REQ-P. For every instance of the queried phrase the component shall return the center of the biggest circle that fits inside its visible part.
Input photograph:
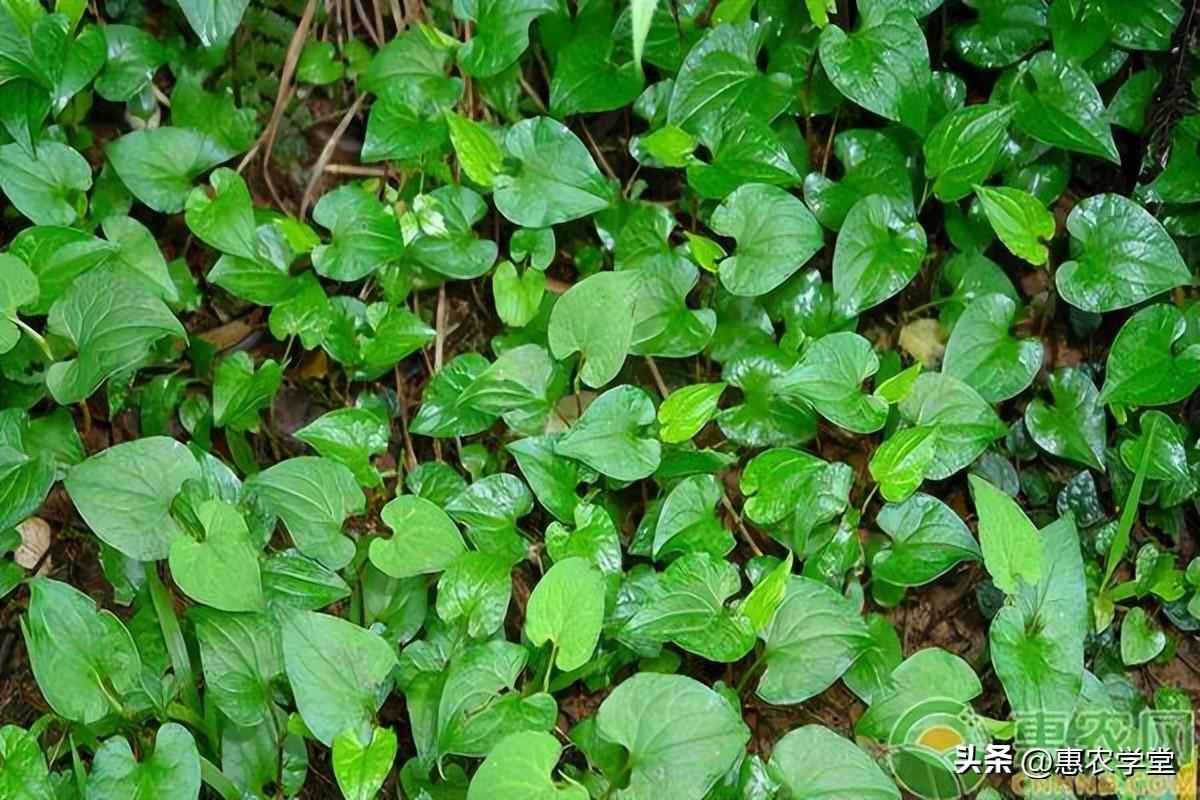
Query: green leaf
(872, 163)
(686, 522)
(523, 384)
(159, 165)
(1011, 548)
(1072, 426)
(424, 539)
(240, 391)
(242, 657)
(679, 761)
(985, 356)
(868, 677)
(475, 149)
(927, 541)
(501, 33)
(1120, 256)
(214, 21)
(610, 438)
(595, 319)
(48, 188)
(1004, 32)
(767, 595)
(113, 324)
(783, 484)
(641, 14)
(225, 218)
(1019, 219)
(963, 422)
(775, 233)
(1148, 364)
(84, 660)
(336, 670)
(555, 179)
(687, 410)
(474, 593)
(1141, 639)
(813, 638)
(349, 436)
(882, 66)
(313, 496)
(567, 608)
(124, 494)
(1058, 104)
(1143, 24)
(962, 149)
(171, 770)
(361, 769)
(399, 130)
(520, 767)
(1161, 445)
(720, 76)
(138, 256)
(489, 509)
(473, 714)
(847, 773)
(552, 477)
(23, 773)
(743, 150)
(1037, 637)
(587, 78)
(447, 244)
(365, 234)
(830, 376)
(901, 463)
(222, 570)
(880, 248)
(688, 607)
(446, 409)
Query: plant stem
(173, 637)
(217, 780)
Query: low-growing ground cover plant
(597, 399)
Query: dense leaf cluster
(599, 419)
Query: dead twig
(327, 153)
(295, 47)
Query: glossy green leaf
(610, 437)
(927, 540)
(1120, 256)
(879, 249)
(984, 355)
(882, 66)
(424, 539)
(1011, 548)
(1072, 425)
(555, 179)
(683, 759)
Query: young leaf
(1012, 549)
(1019, 219)
(1073, 426)
(567, 608)
(171, 770)
(686, 411)
(361, 769)
(595, 319)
